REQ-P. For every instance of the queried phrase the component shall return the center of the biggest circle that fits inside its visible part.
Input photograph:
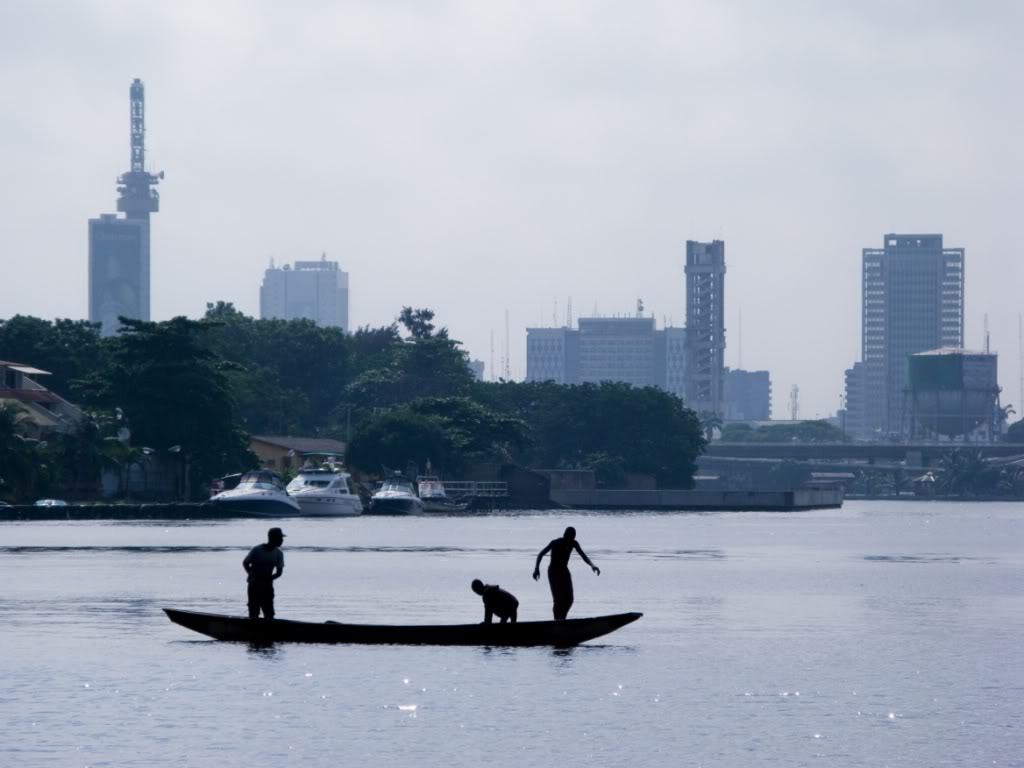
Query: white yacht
(396, 496)
(325, 492)
(259, 492)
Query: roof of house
(28, 369)
(301, 444)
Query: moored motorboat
(432, 493)
(325, 492)
(396, 496)
(259, 492)
(560, 634)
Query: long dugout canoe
(559, 634)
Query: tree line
(401, 393)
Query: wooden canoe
(560, 634)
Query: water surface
(878, 634)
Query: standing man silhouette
(559, 577)
(264, 563)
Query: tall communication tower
(794, 403)
(119, 252)
(138, 198)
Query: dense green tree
(19, 462)
(785, 432)
(427, 364)
(391, 440)
(1015, 434)
(648, 429)
(67, 349)
(287, 375)
(174, 395)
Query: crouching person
(497, 602)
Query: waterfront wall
(796, 499)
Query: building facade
(705, 325)
(747, 395)
(912, 301)
(311, 290)
(118, 271)
(853, 417)
(630, 350)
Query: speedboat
(396, 496)
(432, 494)
(325, 492)
(259, 492)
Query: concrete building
(119, 252)
(552, 354)
(852, 421)
(747, 395)
(311, 290)
(705, 325)
(912, 301)
(622, 349)
(118, 271)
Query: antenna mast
(138, 197)
(508, 368)
(739, 362)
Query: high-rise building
(747, 395)
(119, 248)
(311, 290)
(552, 354)
(913, 301)
(629, 350)
(705, 325)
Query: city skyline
(574, 158)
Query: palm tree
(710, 421)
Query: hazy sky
(478, 157)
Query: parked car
(50, 503)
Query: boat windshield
(260, 481)
(397, 484)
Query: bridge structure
(915, 454)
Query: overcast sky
(478, 157)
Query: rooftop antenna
(492, 355)
(986, 334)
(639, 307)
(739, 361)
(568, 312)
(554, 314)
(794, 403)
(508, 368)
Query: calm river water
(875, 635)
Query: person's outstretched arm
(540, 556)
(586, 559)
